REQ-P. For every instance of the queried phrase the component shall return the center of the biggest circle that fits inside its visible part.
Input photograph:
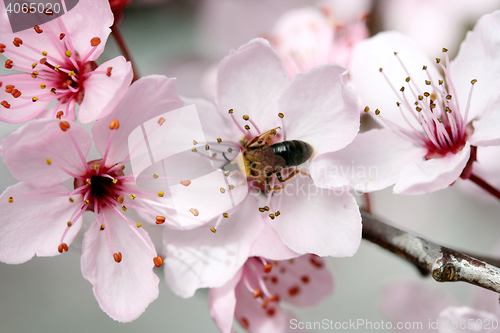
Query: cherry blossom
(41, 216)
(253, 296)
(255, 96)
(58, 64)
(308, 37)
(429, 122)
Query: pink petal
(21, 108)
(270, 246)
(412, 302)
(486, 131)
(124, 289)
(319, 221)
(34, 225)
(89, 19)
(319, 108)
(250, 80)
(103, 92)
(253, 317)
(303, 281)
(222, 253)
(423, 176)
(373, 89)
(26, 150)
(478, 59)
(222, 302)
(146, 98)
(373, 161)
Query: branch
(444, 264)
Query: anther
(266, 208)
(89, 182)
(271, 312)
(2, 48)
(102, 227)
(8, 64)
(293, 291)
(95, 41)
(139, 224)
(245, 117)
(261, 209)
(438, 60)
(367, 109)
(420, 97)
(108, 71)
(225, 215)
(11, 200)
(231, 187)
(161, 121)
(267, 268)
(426, 94)
(222, 190)
(305, 279)
(424, 68)
(17, 42)
(219, 140)
(120, 199)
(473, 81)
(155, 175)
(278, 213)
(380, 69)
(59, 114)
(247, 127)
(34, 99)
(124, 208)
(395, 53)
(377, 112)
(64, 125)
(427, 82)
(212, 229)
(53, 91)
(68, 54)
(160, 219)
(207, 147)
(230, 111)
(186, 182)
(114, 125)
(445, 49)
(398, 104)
(62, 247)
(5, 104)
(34, 74)
(71, 200)
(133, 196)
(257, 293)
(195, 142)
(281, 115)
(61, 36)
(272, 216)
(194, 150)
(229, 150)
(161, 194)
(440, 82)
(117, 256)
(418, 108)
(38, 29)
(194, 211)
(44, 53)
(48, 161)
(402, 89)
(407, 79)
(43, 85)
(158, 261)
(87, 201)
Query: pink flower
(307, 37)
(254, 294)
(429, 122)
(317, 108)
(40, 216)
(58, 61)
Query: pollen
(160, 219)
(158, 261)
(133, 196)
(186, 182)
(117, 256)
(11, 200)
(161, 121)
(95, 41)
(64, 125)
(114, 125)
(194, 211)
(34, 74)
(48, 161)
(212, 229)
(161, 194)
(139, 225)
(68, 54)
(155, 176)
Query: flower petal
(33, 152)
(486, 131)
(146, 98)
(123, 289)
(222, 302)
(250, 80)
(423, 176)
(223, 252)
(303, 281)
(319, 107)
(373, 161)
(478, 59)
(319, 221)
(103, 92)
(270, 246)
(373, 89)
(33, 225)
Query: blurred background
(186, 39)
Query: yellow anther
(407, 79)
(445, 49)
(161, 194)
(195, 142)
(68, 53)
(266, 208)
(231, 187)
(227, 173)
(102, 226)
(34, 99)
(114, 181)
(96, 167)
(86, 201)
(213, 230)
(420, 97)
(424, 68)
(281, 115)
(271, 216)
(222, 190)
(70, 224)
(247, 127)
(226, 215)
(161, 121)
(473, 81)
(33, 65)
(133, 196)
(219, 140)
(11, 200)
(395, 53)
(194, 150)
(440, 82)
(278, 213)
(124, 208)
(402, 89)
(48, 161)
(207, 147)
(89, 182)
(246, 117)
(229, 150)
(71, 73)
(139, 225)
(53, 90)
(230, 111)
(155, 175)
(367, 109)
(380, 69)
(56, 67)
(438, 60)
(43, 85)
(261, 209)
(71, 200)
(427, 82)
(377, 112)
(44, 53)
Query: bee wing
(266, 137)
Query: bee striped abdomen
(294, 152)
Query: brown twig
(444, 264)
(484, 185)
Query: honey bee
(263, 159)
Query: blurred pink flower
(254, 84)
(40, 216)
(429, 123)
(58, 61)
(254, 294)
(307, 37)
